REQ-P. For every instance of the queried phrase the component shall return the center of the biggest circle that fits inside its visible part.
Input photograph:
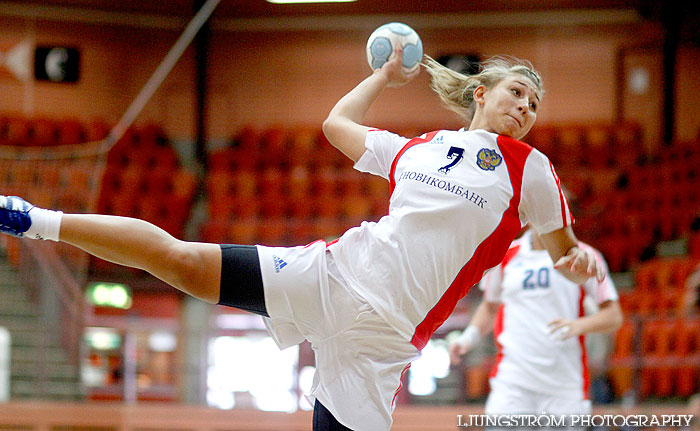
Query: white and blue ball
(380, 46)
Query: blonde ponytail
(456, 90)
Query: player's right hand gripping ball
(380, 46)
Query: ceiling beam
(553, 18)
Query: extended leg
(194, 268)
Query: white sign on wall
(4, 364)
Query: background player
(538, 319)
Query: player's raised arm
(343, 127)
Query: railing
(58, 296)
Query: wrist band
(470, 337)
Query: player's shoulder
(521, 145)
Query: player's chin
(510, 132)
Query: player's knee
(187, 271)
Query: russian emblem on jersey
(488, 159)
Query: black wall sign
(56, 64)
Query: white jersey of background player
(539, 323)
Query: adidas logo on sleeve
(279, 263)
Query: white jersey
(532, 294)
(458, 199)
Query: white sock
(46, 224)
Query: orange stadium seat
(273, 231)
(220, 159)
(687, 355)
(327, 228)
(301, 231)
(571, 139)
(325, 183)
(148, 135)
(158, 182)
(656, 346)
(298, 182)
(622, 359)
(43, 133)
(328, 206)
(216, 231)
(71, 132)
(273, 147)
(301, 208)
(246, 184)
(694, 245)
(356, 207)
(184, 184)
(303, 146)
(14, 131)
(273, 205)
(545, 139)
(476, 381)
(247, 138)
(245, 208)
(271, 181)
(599, 146)
(246, 159)
(96, 130)
(244, 231)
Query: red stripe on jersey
(510, 254)
(396, 394)
(584, 354)
(312, 243)
(489, 253)
(562, 198)
(415, 141)
(497, 330)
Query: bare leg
(192, 267)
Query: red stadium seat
(244, 231)
(301, 230)
(476, 382)
(14, 131)
(96, 130)
(303, 146)
(216, 231)
(273, 232)
(622, 359)
(298, 182)
(71, 132)
(43, 133)
(356, 208)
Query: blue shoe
(14, 216)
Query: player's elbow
(332, 129)
(617, 320)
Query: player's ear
(479, 93)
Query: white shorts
(359, 357)
(508, 399)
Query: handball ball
(380, 46)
